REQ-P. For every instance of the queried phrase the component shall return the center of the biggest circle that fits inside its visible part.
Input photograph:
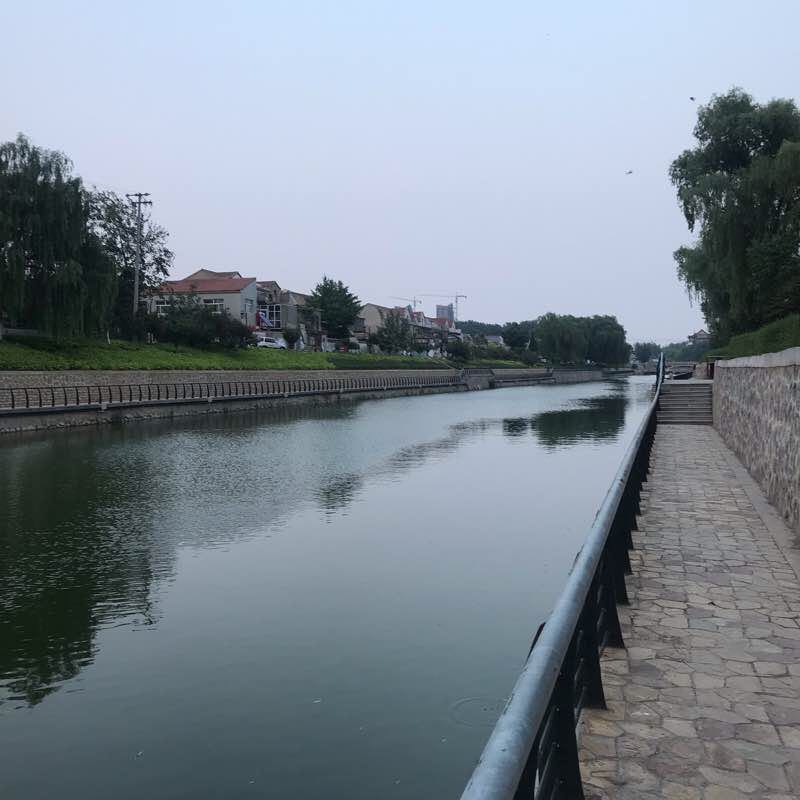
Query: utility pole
(139, 201)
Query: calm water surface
(299, 603)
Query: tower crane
(412, 300)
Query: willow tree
(54, 273)
(740, 187)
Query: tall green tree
(395, 335)
(740, 187)
(113, 221)
(54, 272)
(337, 305)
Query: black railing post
(569, 770)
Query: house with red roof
(223, 292)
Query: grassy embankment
(47, 354)
(772, 338)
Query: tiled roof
(205, 285)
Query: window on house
(162, 305)
(216, 304)
(274, 315)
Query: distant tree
(645, 351)
(741, 186)
(606, 342)
(113, 220)
(458, 350)
(517, 335)
(474, 328)
(337, 305)
(685, 351)
(567, 339)
(291, 336)
(395, 335)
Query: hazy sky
(404, 147)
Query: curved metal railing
(533, 750)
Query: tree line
(559, 338)
(739, 188)
(68, 253)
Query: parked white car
(270, 341)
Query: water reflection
(65, 566)
(327, 576)
(593, 419)
(596, 419)
(91, 519)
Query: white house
(221, 291)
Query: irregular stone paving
(704, 704)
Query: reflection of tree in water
(338, 492)
(597, 418)
(64, 568)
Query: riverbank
(35, 400)
(34, 353)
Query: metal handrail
(533, 750)
(54, 399)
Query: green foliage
(574, 340)
(190, 323)
(459, 351)
(67, 256)
(291, 336)
(337, 305)
(46, 246)
(646, 351)
(772, 338)
(395, 335)
(518, 336)
(473, 328)
(741, 186)
(113, 220)
(49, 354)
(684, 351)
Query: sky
(406, 148)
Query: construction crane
(454, 297)
(412, 300)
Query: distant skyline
(513, 154)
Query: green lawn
(47, 354)
(772, 338)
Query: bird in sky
(692, 99)
(629, 172)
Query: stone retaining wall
(757, 413)
(124, 377)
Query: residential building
(494, 339)
(279, 309)
(701, 337)
(226, 292)
(446, 312)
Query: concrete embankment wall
(72, 419)
(577, 375)
(93, 388)
(132, 377)
(757, 413)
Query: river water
(301, 603)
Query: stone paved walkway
(705, 702)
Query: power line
(139, 202)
